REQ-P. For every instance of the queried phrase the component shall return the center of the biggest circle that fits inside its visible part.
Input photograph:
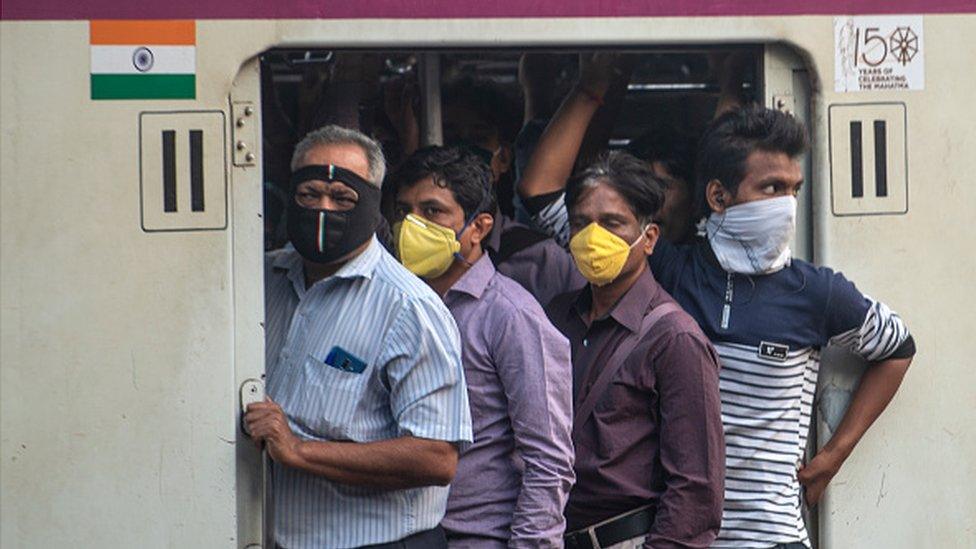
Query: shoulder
(818, 283)
(512, 300)
(395, 284)
(676, 323)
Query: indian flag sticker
(143, 59)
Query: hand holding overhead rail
(554, 157)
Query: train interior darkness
(487, 98)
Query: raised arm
(555, 155)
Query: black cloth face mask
(323, 236)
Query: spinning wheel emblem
(143, 59)
(904, 44)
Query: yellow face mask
(599, 254)
(425, 248)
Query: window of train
(390, 94)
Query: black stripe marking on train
(196, 170)
(857, 168)
(169, 170)
(880, 159)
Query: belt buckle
(595, 541)
(585, 539)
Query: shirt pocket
(328, 400)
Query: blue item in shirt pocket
(342, 359)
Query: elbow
(444, 462)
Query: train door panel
(248, 296)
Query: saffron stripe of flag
(139, 32)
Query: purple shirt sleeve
(692, 445)
(534, 367)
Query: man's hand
(815, 476)
(598, 71)
(267, 424)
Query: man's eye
(769, 189)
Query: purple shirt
(513, 481)
(542, 267)
(655, 436)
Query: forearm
(554, 156)
(878, 385)
(405, 462)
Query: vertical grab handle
(252, 390)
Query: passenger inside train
(607, 235)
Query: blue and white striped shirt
(412, 385)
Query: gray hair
(337, 135)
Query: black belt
(622, 528)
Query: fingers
(267, 428)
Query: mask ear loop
(482, 204)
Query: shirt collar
(476, 279)
(361, 266)
(629, 311)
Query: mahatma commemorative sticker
(878, 53)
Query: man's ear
(480, 227)
(717, 196)
(651, 234)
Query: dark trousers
(433, 539)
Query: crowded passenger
(657, 266)
(767, 313)
(647, 427)
(367, 407)
(513, 481)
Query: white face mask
(753, 238)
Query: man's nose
(326, 202)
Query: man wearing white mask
(768, 315)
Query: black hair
(633, 179)
(673, 149)
(732, 137)
(489, 101)
(455, 168)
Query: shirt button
(586, 342)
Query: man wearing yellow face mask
(513, 482)
(647, 427)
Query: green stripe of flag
(143, 86)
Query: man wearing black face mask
(367, 405)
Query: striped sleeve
(422, 358)
(553, 219)
(865, 326)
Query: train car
(134, 155)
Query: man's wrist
(837, 451)
(297, 457)
(590, 94)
